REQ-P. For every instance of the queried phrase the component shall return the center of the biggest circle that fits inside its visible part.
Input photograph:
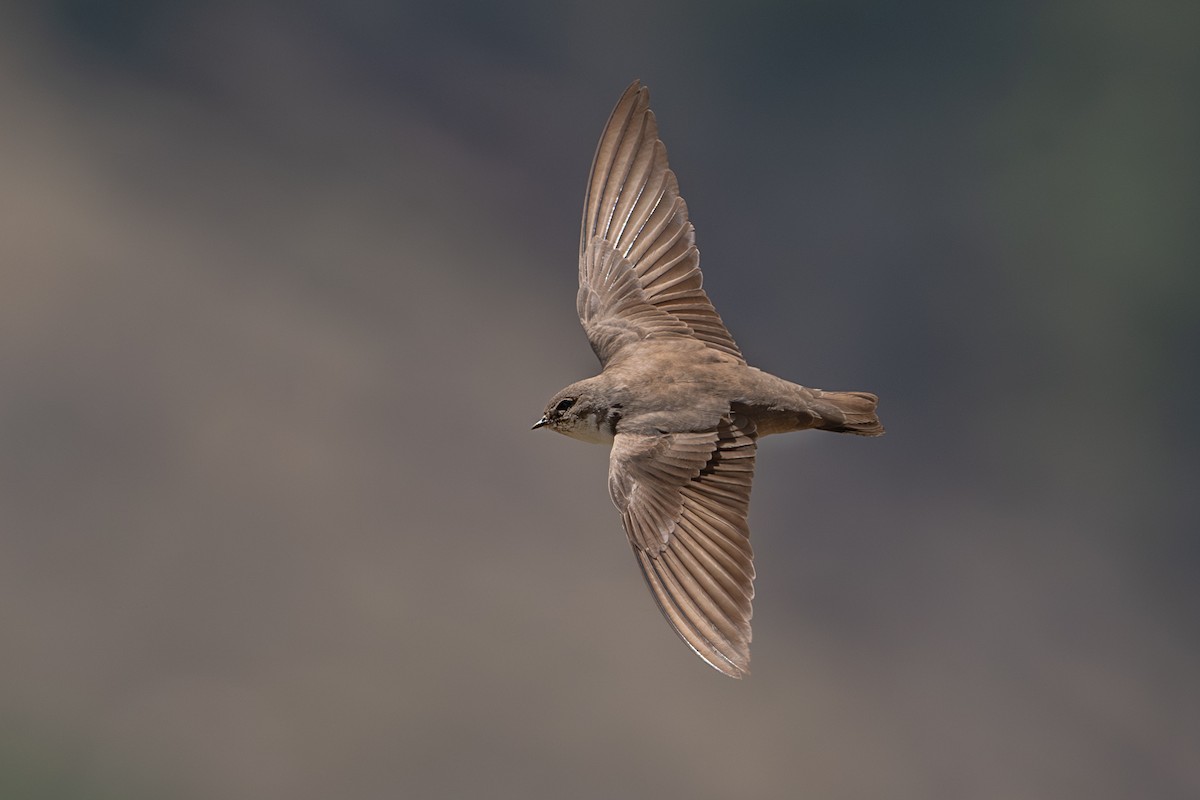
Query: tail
(848, 412)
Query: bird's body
(676, 400)
(694, 386)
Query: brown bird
(675, 398)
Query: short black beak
(540, 423)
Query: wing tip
(730, 658)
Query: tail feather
(848, 412)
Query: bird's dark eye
(564, 404)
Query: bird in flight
(675, 399)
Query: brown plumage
(676, 399)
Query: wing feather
(639, 269)
(684, 498)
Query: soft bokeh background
(283, 286)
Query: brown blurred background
(282, 289)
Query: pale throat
(592, 428)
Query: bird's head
(582, 412)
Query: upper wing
(683, 499)
(639, 269)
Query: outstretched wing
(639, 269)
(683, 499)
